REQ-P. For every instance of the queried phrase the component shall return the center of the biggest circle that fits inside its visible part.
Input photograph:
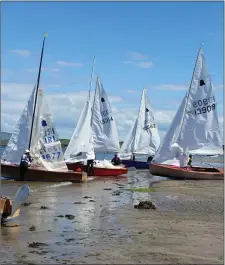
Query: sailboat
(194, 130)
(10, 207)
(95, 132)
(35, 130)
(143, 137)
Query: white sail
(198, 126)
(46, 147)
(166, 153)
(80, 147)
(143, 137)
(20, 137)
(105, 135)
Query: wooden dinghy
(40, 174)
(36, 131)
(176, 172)
(194, 130)
(10, 208)
(137, 164)
(97, 171)
(95, 132)
(143, 137)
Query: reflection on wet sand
(92, 223)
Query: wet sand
(186, 227)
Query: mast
(90, 94)
(97, 81)
(143, 93)
(189, 90)
(91, 77)
(150, 138)
(37, 87)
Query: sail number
(49, 135)
(49, 139)
(106, 120)
(147, 127)
(51, 156)
(49, 131)
(204, 105)
(105, 113)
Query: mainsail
(19, 139)
(195, 127)
(104, 131)
(45, 145)
(35, 130)
(80, 147)
(143, 137)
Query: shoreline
(186, 227)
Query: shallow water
(73, 238)
(91, 218)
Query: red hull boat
(100, 172)
(36, 174)
(197, 173)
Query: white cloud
(145, 64)
(66, 109)
(131, 91)
(24, 53)
(138, 60)
(218, 86)
(181, 87)
(174, 87)
(44, 69)
(69, 64)
(137, 56)
(140, 64)
(126, 62)
(114, 99)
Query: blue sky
(151, 44)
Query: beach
(103, 226)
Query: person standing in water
(90, 166)
(116, 160)
(24, 164)
(150, 158)
(132, 157)
(190, 161)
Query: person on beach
(90, 166)
(149, 159)
(116, 160)
(190, 161)
(24, 164)
(132, 157)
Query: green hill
(6, 136)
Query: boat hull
(36, 174)
(197, 173)
(136, 164)
(98, 172)
(5, 211)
